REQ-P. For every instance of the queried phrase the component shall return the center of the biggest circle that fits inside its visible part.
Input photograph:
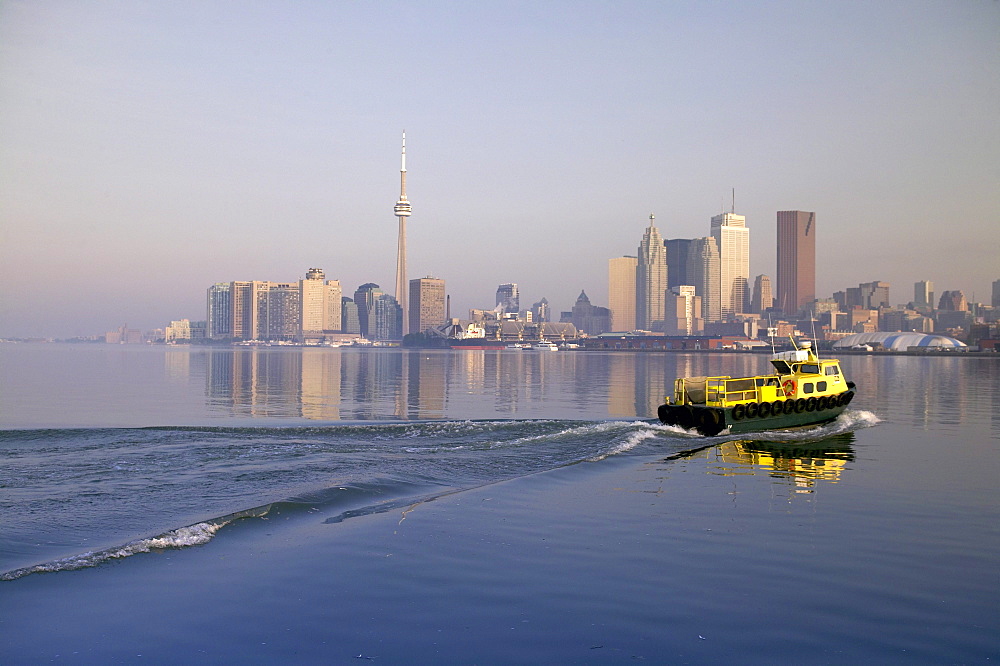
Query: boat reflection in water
(802, 463)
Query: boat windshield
(781, 366)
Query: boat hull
(754, 417)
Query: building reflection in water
(365, 384)
(800, 464)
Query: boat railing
(722, 391)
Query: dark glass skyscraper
(796, 275)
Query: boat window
(781, 367)
(820, 386)
(810, 368)
(832, 370)
(807, 387)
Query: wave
(423, 461)
(184, 537)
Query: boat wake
(344, 471)
(413, 462)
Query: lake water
(342, 505)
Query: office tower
(278, 310)
(319, 303)
(385, 319)
(427, 304)
(219, 314)
(589, 318)
(762, 296)
(650, 280)
(683, 312)
(796, 277)
(541, 312)
(995, 301)
(677, 258)
(621, 292)
(873, 295)
(349, 321)
(733, 239)
(242, 311)
(954, 301)
(508, 298)
(402, 210)
(312, 301)
(365, 297)
(703, 266)
(923, 294)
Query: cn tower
(402, 209)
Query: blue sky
(150, 149)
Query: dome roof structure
(897, 341)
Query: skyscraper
(733, 239)
(621, 292)
(796, 276)
(365, 298)
(995, 300)
(677, 266)
(763, 297)
(650, 280)
(508, 298)
(402, 210)
(219, 314)
(385, 320)
(427, 304)
(703, 268)
(923, 294)
(320, 303)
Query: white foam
(184, 537)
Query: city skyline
(148, 151)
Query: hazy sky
(150, 149)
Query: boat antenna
(770, 332)
(812, 322)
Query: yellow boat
(803, 391)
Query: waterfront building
(703, 265)
(364, 298)
(677, 261)
(242, 310)
(184, 330)
(349, 321)
(733, 239)
(508, 299)
(588, 318)
(683, 312)
(218, 314)
(427, 304)
(923, 294)
(402, 211)
(796, 253)
(385, 320)
(621, 292)
(541, 312)
(762, 299)
(278, 310)
(650, 280)
(320, 303)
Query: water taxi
(803, 391)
